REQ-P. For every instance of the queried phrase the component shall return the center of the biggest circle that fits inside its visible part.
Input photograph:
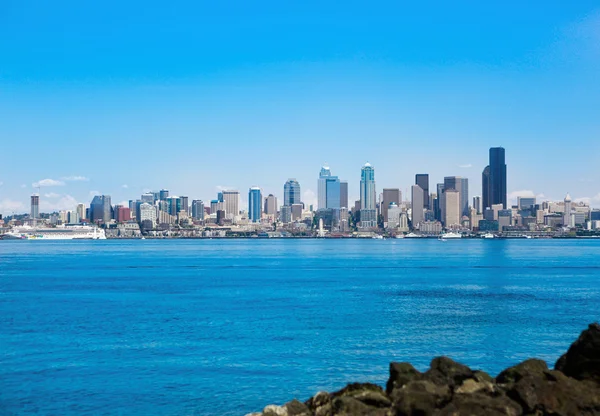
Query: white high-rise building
(393, 214)
(147, 212)
(452, 209)
(231, 204)
(567, 214)
(81, 211)
(271, 205)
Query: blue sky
(120, 98)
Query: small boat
(488, 235)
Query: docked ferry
(77, 232)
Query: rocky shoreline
(449, 388)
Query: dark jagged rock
(553, 393)
(516, 373)
(419, 398)
(582, 360)
(401, 374)
(481, 404)
(320, 404)
(444, 371)
(369, 394)
(449, 388)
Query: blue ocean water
(224, 327)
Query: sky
(120, 98)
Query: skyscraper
(462, 186)
(291, 193)
(477, 204)
(497, 177)
(322, 187)
(198, 209)
(271, 205)
(163, 194)
(231, 203)
(567, 213)
(390, 195)
(254, 204)
(174, 204)
(485, 189)
(185, 205)
(437, 204)
(35, 206)
(148, 197)
(451, 205)
(101, 209)
(422, 179)
(464, 196)
(329, 190)
(368, 208)
(417, 195)
(343, 194)
(81, 211)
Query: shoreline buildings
(426, 213)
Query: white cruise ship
(76, 232)
(450, 235)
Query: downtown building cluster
(427, 211)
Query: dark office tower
(485, 189)
(389, 195)
(497, 176)
(422, 179)
(163, 194)
(343, 194)
(437, 206)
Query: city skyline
(44, 189)
(138, 111)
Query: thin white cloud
(8, 206)
(523, 194)
(310, 198)
(47, 182)
(23, 186)
(51, 195)
(221, 188)
(94, 193)
(588, 199)
(125, 186)
(64, 203)
(75, 179)
(1, 183)
(465, 166)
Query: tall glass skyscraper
(254, 204)
(368, 197)
(494, 179)
(328, 190)
(322, 187)
(498, 176)
(291, 193)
